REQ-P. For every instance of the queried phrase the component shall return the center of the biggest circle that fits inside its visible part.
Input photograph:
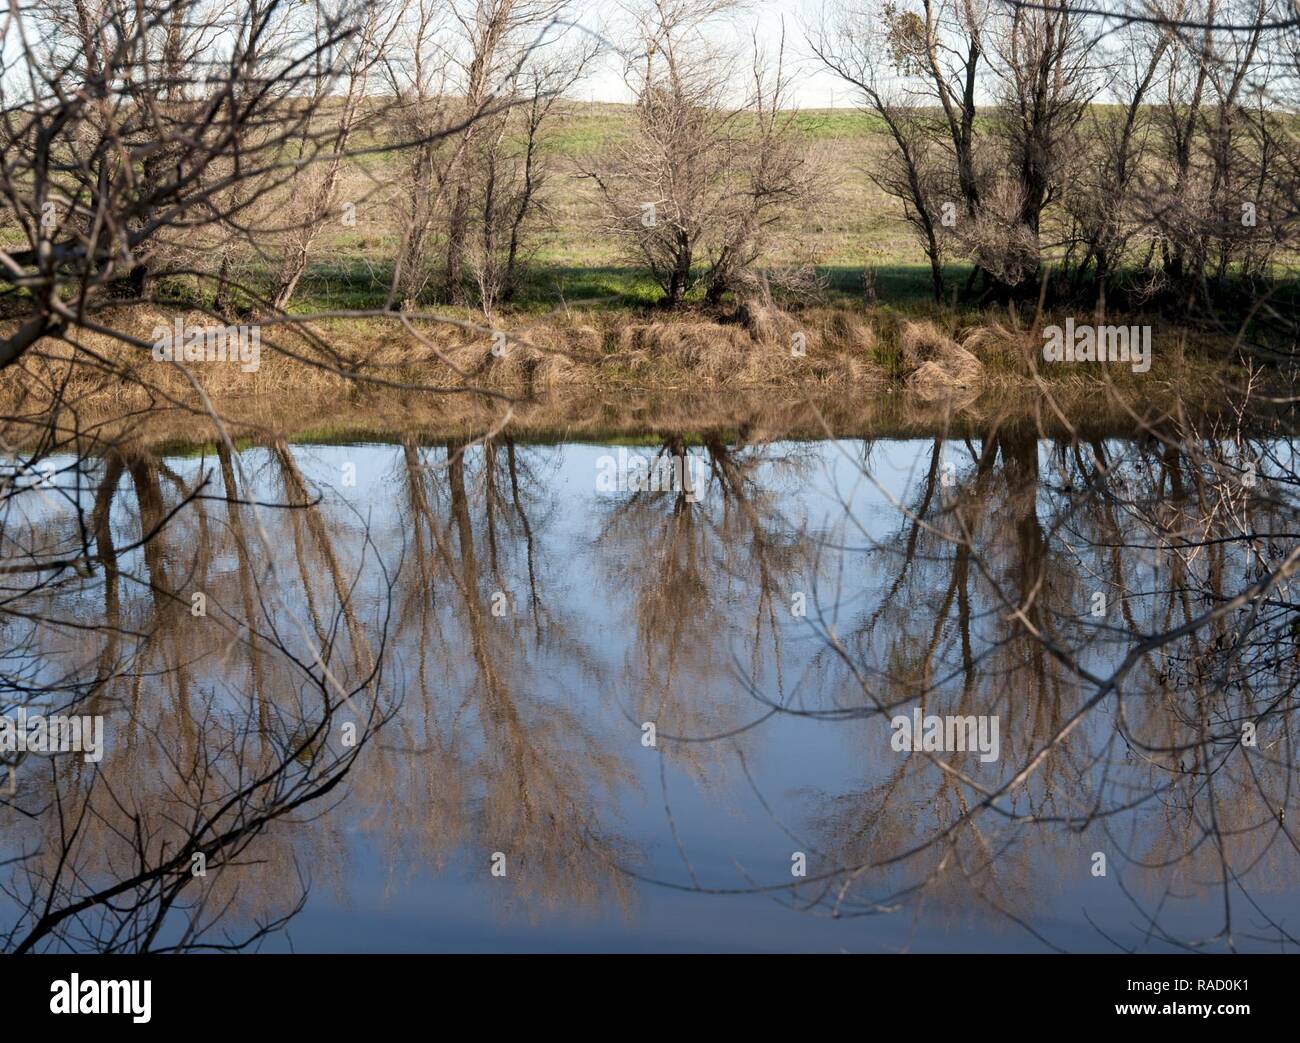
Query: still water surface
(648, 710)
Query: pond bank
(632, 417)
(946, 356)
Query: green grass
(852, 226)
(355, 285)
(833, 124)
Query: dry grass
(937, 364)
(758, 347)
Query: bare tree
(1102, 203)
(665, 190)
(344, 89)
(496, 40)
(774, 178)
(862, 48)
(510, 169)
(704, 176)
(1046, 82)
(421, 113)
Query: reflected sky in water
(530, 626)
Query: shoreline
(647, 417)
(754, 348)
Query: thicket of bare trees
(1167, 188)
(262, 124)
(433, 120)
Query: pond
(995, 691)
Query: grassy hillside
(854, 225)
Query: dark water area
(562, 706)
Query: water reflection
(447, 694)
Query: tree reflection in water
(496, 634)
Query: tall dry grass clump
(937, 363)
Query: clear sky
(814, 88)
